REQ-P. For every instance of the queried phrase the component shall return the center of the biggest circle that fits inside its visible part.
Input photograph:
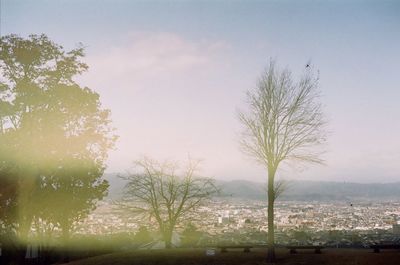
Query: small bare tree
(163, 192)
(284, 123)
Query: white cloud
(146, 55)
(169, 96)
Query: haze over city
(174, 75)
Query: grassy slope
(257, 256)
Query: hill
(297, 190)
(324, 191)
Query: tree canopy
(54, 134)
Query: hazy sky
(173, 74)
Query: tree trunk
(168, 238)
(271, 199)
(21, 251)
(65, 238)
(22, 239)
(11, 250)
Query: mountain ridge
(297, 190)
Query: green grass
(236, 257)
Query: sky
(175, 73)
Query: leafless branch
(165, 192)
(284, 122)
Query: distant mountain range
(302, 190)
(297, 190)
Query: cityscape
(239, 222)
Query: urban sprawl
(336, 224)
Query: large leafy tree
(54, 136)
(284, 123)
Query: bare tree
(284, 123)
(164, 193)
